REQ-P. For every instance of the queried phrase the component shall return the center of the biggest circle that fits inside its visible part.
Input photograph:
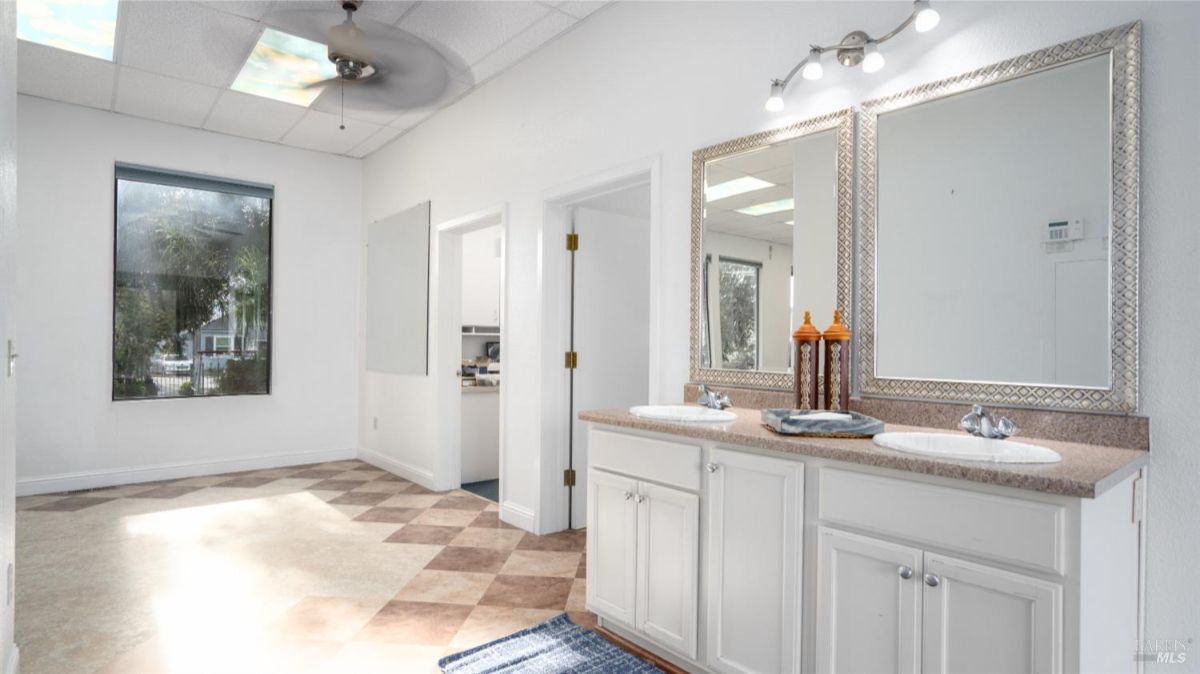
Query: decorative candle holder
(806, 364)
(837, 364)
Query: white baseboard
(409, 472)
(518, 516)
(51, 484)
(14, 661)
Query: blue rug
(557, 646)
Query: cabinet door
(980, 619)
(868, 605)
(754, 542)
(612, 546)
(667, 561)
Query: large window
(191, 286)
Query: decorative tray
(821, 423)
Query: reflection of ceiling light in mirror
(85, 27)
(734, 187)
(768, 207)
(282, 65)
(790, 222)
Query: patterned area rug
(557, 646)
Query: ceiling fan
(379, 68)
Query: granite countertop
(1085, 470)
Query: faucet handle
(1005, 428)
(970, 421)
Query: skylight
(734, 187)
(282, 65)
(769, 207)
(82, 26)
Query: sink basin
(967, 448)
(682, 413)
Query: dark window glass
(192, 286)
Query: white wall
(481, 277)
(8, 211)
(70, 432)
(689, 75)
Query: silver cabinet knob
(905, 572)
(712, 467)
(639, 498)
(932, 580)
(628, 495)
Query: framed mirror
(999, 232)
(772, 232)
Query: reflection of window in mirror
(705, 330)
(739, 300)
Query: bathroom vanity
(728, 548)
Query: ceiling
(174, 61)
(774, 165)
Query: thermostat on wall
(1060, 235)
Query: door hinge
(569, 477)
(572, 242)
(572, 360)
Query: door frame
(447, 344)
(553, 288)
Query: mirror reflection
(993, 224)
(769, 234)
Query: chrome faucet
(714, 399)
(981, 423)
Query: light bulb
(872, 59)
(775, 102)
(813, 70)
(927, 17)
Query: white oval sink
(682, 413)
(966, 448)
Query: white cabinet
(980, 619)
(868, 605)
(754, 543)
(883, 607)
(643, 558)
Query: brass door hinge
(572, 360)
(569, 477)
(572, 242)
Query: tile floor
(330, 568)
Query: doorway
(470, 345)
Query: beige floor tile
(365, 657)
(446, 587)
(488, 623)
(382, 487)
(403, 500)
(335, 619)
(415, 623)
(350, 511)
(358, 475)
(578, 599)
(500, 539)
(202, 481)
(542, 563)
(446, 518)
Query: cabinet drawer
(670, 463)
(1016, 531)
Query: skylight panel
(769, 207)
(282, 65)
(735, 187)
(86, 27)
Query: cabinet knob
(628, 495)
(932, 580)
(712, 467)
(639, 498)
(905, 572)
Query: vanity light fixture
(857, 48)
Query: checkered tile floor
(342, 568)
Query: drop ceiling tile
(319, 131)
(189, 41)
(525, 43)
(64, 76)
(251, 9)
(252, 116)
(379, 139)
(329, 102)
(163, 98)
(472, 29)
(410, 119)
(580, 8)
(383, 11)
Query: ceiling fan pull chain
(342, 125)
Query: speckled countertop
(1085, 470)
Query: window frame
(196, 181)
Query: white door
(612, 546)
(611, 326)
(980, 619)
(755, 539)
(8, 383)
(667, 564)
(868, 605)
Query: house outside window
(191, 285)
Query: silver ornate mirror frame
(1123, 44)
(843, 122)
